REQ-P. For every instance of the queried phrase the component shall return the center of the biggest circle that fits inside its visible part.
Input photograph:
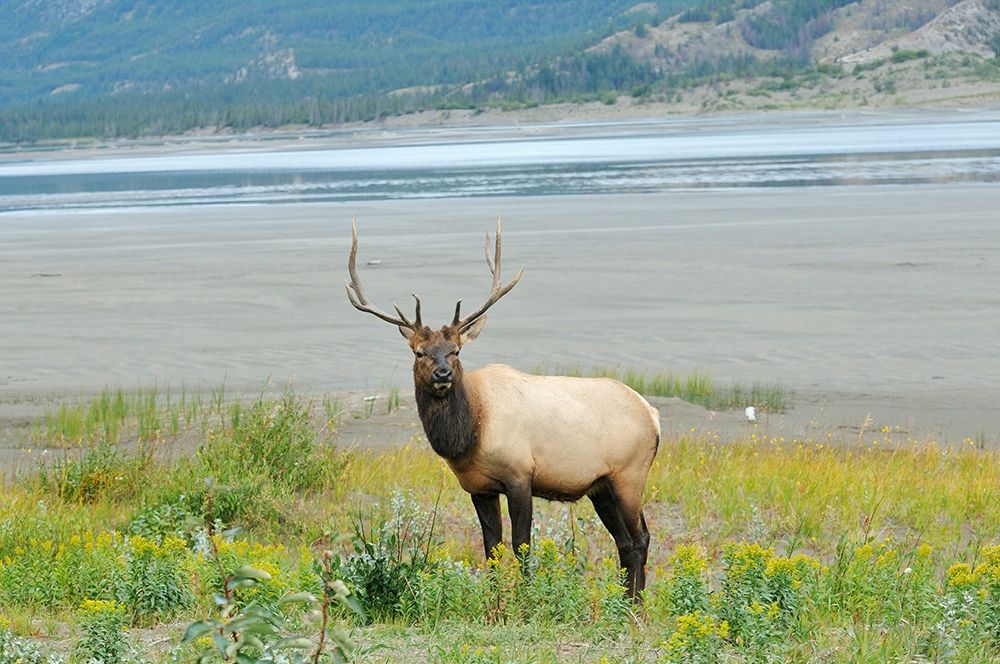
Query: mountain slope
(807, 32)
(114, 68)
(968, 26)
(86, 48)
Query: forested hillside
(113, 68)
(85, 48)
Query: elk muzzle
(442, 376)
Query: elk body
(505, 432)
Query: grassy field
(269, 544)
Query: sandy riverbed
(880, 300)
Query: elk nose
(442, 375)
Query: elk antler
(496, 292)
(357, 296)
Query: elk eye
(418, 354)
(454, 352)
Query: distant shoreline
(551, 119)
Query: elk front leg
(488, 509)
(519, 505)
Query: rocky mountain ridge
(857, 33)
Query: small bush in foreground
(698, 638)
(391, 552)
(104, 637)
(157, 578)
(683, 587)
(259, 633)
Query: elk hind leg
(630, 535)
(630, 505)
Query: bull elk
(505, 432)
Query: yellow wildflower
(961, 577)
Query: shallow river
(567, 159)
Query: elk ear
(406, 332)
(473, 331)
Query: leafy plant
(104, 637)
(62, 574)
(762, 594)
(446, 590)
(170, 518)
(157, 585)
(258, 633)
(683, 589)
(697, 638)
(391, 551)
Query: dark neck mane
(448, 421)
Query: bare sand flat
(880, 300)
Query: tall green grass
(116, 414)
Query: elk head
(436, 367)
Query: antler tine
(496, 292)
(415, 324)
(357, 296)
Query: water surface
(639, 157)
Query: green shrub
(151, 581)
(867, 581)
(229, 556)
(246, 501)
(744, 583)
(549, 586)
(762, 595)
(684, 587)
(904, 55)
(99, 472)
(258, 633)
(697, 638)
(613, 608)
(273, 440)
(444, 591)
(104, 637)
(391, 551)
(504, 587)
(556, 586)
(973, 596)
(989, 570)
(157, 582)
(170, 518)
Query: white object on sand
(751, 414)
